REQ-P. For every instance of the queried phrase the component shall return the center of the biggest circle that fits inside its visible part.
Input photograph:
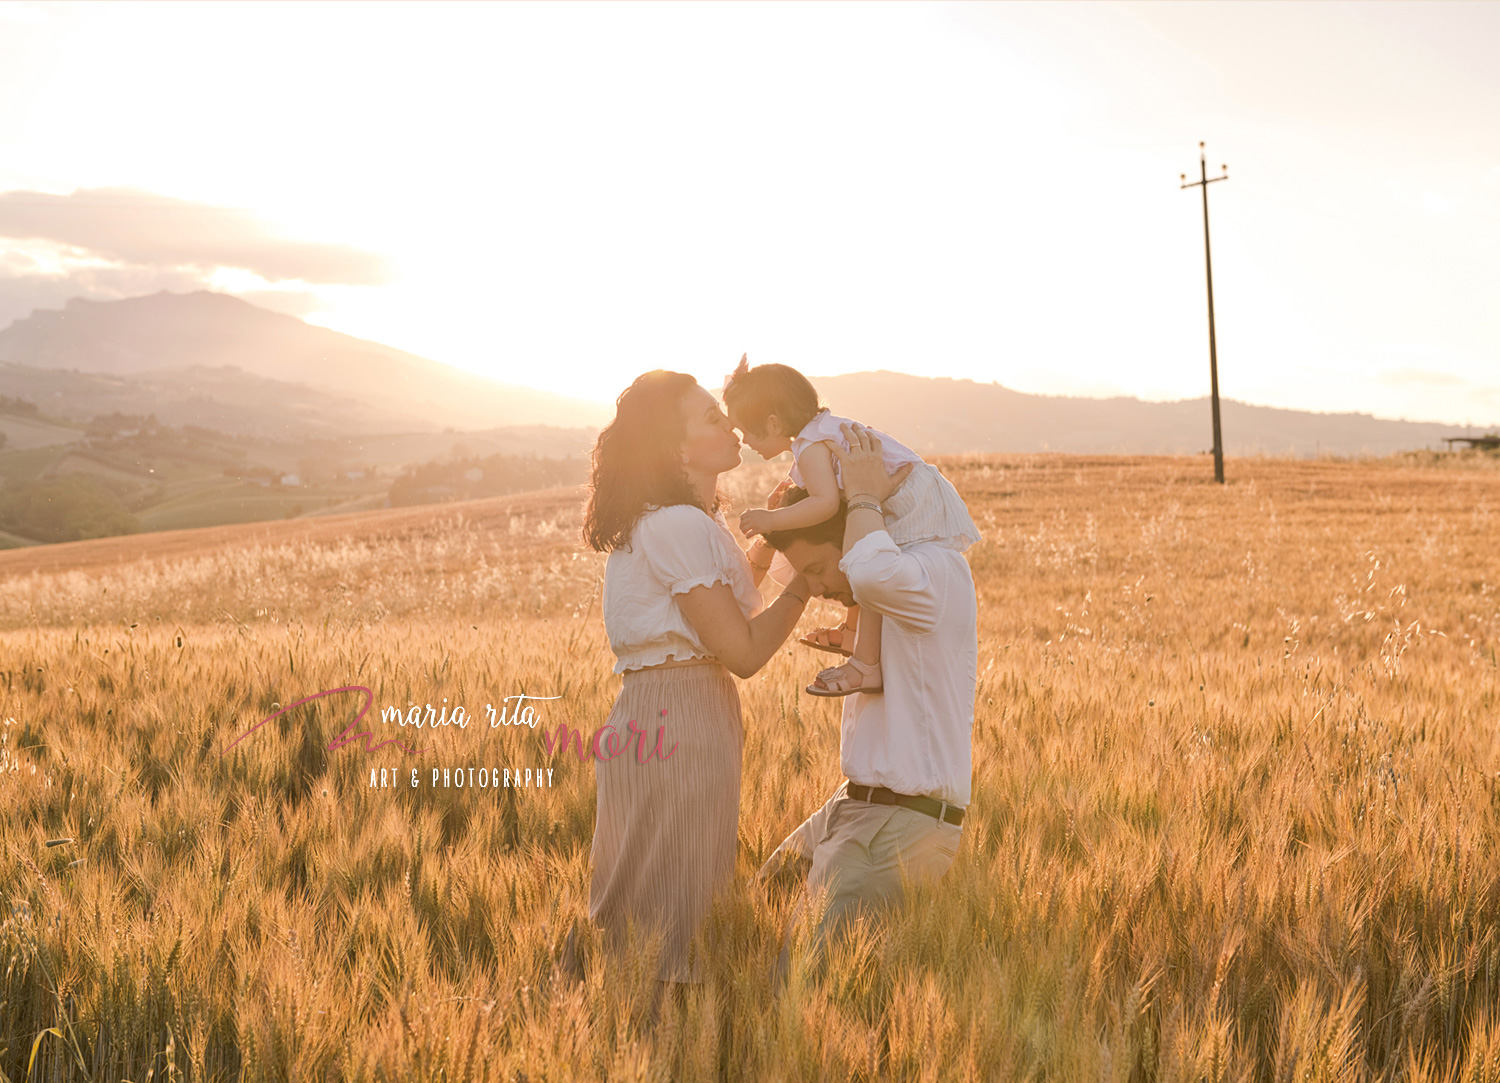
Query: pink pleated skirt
(665, 831)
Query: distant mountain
(229, 400)
(168, 334)
(216, 361)
(936, 415)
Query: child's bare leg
(849, 630)
(867, 639)
(861, 673)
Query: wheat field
(1236, 805)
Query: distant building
(290, 479)
(1488, 442)
(473, 474)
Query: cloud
(299, 303)
(1407, 376)
(15, 11)
(1436, 203)
(143, 228)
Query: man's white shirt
(915, 737)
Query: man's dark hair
(830, 530)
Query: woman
(682, 613)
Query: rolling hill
(221, 363)
(937, 415)
(172, 338)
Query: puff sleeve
(684, 548)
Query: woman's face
(709, 443)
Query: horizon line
(610, 400)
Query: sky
(566, 195)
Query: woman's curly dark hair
(637, 460)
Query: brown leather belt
(879, 795)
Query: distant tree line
(104, 426)
(76, 506)
(20, 407)
(71, 507)
(474, 478)
(144, 440)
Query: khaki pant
(858, 852)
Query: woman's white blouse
(671, 551)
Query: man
(907, 751)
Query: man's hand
(755, 521)
(786, 870)
(862, 468)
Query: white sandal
(868, 675)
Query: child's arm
(822, 501)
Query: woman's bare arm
(760, 556)
(743, 646)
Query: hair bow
(739, 370)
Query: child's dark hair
(758, 393)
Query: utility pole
(1203, 181)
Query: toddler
(777, 410)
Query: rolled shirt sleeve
(891, 582)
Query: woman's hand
(862, 468)
(755, 521)
(800, 587)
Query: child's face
(768, 444)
